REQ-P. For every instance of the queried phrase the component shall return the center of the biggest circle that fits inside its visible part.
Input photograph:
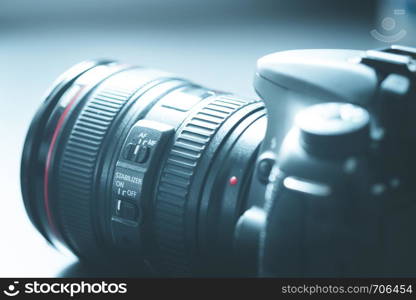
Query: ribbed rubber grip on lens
(76, 177)
(176, 180)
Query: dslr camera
(135, 167)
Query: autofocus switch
(138, 153)
(128, 151)
(141, 153)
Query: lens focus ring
(78, 164)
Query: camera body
(340, 198)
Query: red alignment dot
(233, 180)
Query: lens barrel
(123, 163)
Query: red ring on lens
(58, 128)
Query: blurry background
(215, 43)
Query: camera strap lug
(390, 62)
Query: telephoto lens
(124, 164)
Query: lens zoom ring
(177, 177)
(78, 165)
